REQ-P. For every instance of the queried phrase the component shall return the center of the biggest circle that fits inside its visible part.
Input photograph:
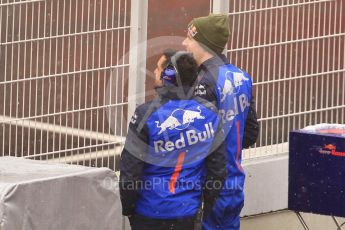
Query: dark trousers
(139, 222)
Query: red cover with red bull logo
(317, 170)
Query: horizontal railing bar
(286, 42)
(11, 120)
(299, 77)
(63, 36)
(63, 74)
(21, 2)
(89, 156)
(278, 7)
(59, 129)
(70, 150)
(301, 113)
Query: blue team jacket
(230, 89)
(169, 144)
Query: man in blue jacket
(230, 89)
(172, 157)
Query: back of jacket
(233, 94)
(230, 89)
(181, 134)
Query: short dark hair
(185, 65)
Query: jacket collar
(214, 61)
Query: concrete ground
(287, 220)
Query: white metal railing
(294, 51)
(63, 79)
(280, 5)
(68, 80)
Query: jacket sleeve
(251, 128)
(132, 164)
(216, 172)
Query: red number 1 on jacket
(176, 173)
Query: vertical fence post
(137, 61)
(221, 7)
(137, 55)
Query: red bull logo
(170, 123)
(173, 122)
(240, 104)
(332, 150)
(330, 147)
(228, 89)
(200, 90)
(232, 87)
(192, 31)
(190, 137)
(239, 78)
(190, 115)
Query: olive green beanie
(211, 31)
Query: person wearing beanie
(169, 153)
(230, 89)
(212, 32)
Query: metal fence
(294, 50)
(58, 58)
(65, 67)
